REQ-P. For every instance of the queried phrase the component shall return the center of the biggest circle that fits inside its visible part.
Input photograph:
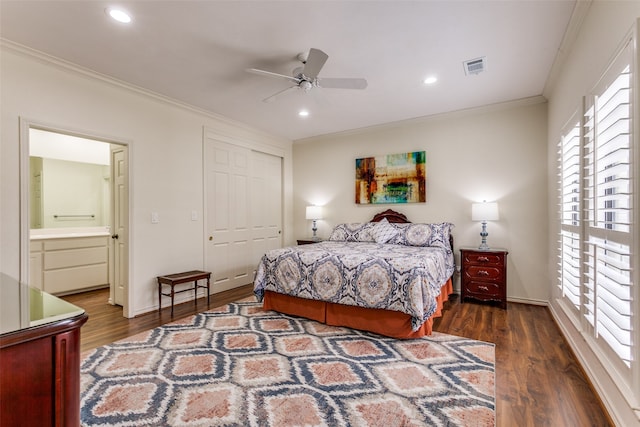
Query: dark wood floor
(538, 380)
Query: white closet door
(266, 204)
(227, 203)
(243, 200)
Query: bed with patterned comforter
(373, 275)
(402, 271)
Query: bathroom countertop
(68, 233)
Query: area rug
(241, 366)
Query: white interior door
(266, 204)
(243, 211)
(120, 224)
(228, 229)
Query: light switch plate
(194, 215)
(155, 218)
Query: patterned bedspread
(374, 275)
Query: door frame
(26, 124)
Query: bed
(388, 276)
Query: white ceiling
(197, 52)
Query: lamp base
(483, 245)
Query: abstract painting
(391, 178)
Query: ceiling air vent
(475, 66)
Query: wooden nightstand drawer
(484, 290)
(484, 275)
(485, 258)
(483, 272)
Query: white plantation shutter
(569, 155)
(608, 141)
(596, 200)
(608, 202)
(570, 268)
(609, 279)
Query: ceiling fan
(306, 77)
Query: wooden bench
(175, 279)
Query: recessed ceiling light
(430, 80)
(119, 15)
(303, 113)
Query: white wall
(495, 153)
(600, 36)
(165, 149)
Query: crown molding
(579, 14)
(87, 72)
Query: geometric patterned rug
(241, 366)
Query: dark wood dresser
(484, 275)
(40, 372)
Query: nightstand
(309, 241)
(484, 275)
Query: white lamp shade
(314, 212)
(484, 211)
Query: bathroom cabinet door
(73, 264)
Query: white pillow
(383, 231)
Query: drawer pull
(483, 273)
(483, 259)
(484, 288)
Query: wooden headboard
(397, 217)
(391, 215)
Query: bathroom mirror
(69, 181)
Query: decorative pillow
(440, 234)
(399, 238)
(353, 232)
(383, 231)
(418, 235)
(423, 234)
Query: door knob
(114, 236)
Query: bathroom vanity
(64, 261)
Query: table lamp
(314, 213)
(484, 212)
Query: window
(607, 133)
(595, 282)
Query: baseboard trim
(613, 400)
(528, 301)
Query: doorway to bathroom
(75, 197)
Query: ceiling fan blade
(342, 83)
(314, 63)
(270, 74)
(275, 95)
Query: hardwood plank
(106, 323)
(538, 379)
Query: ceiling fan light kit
(306, 77)
(306, 85)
